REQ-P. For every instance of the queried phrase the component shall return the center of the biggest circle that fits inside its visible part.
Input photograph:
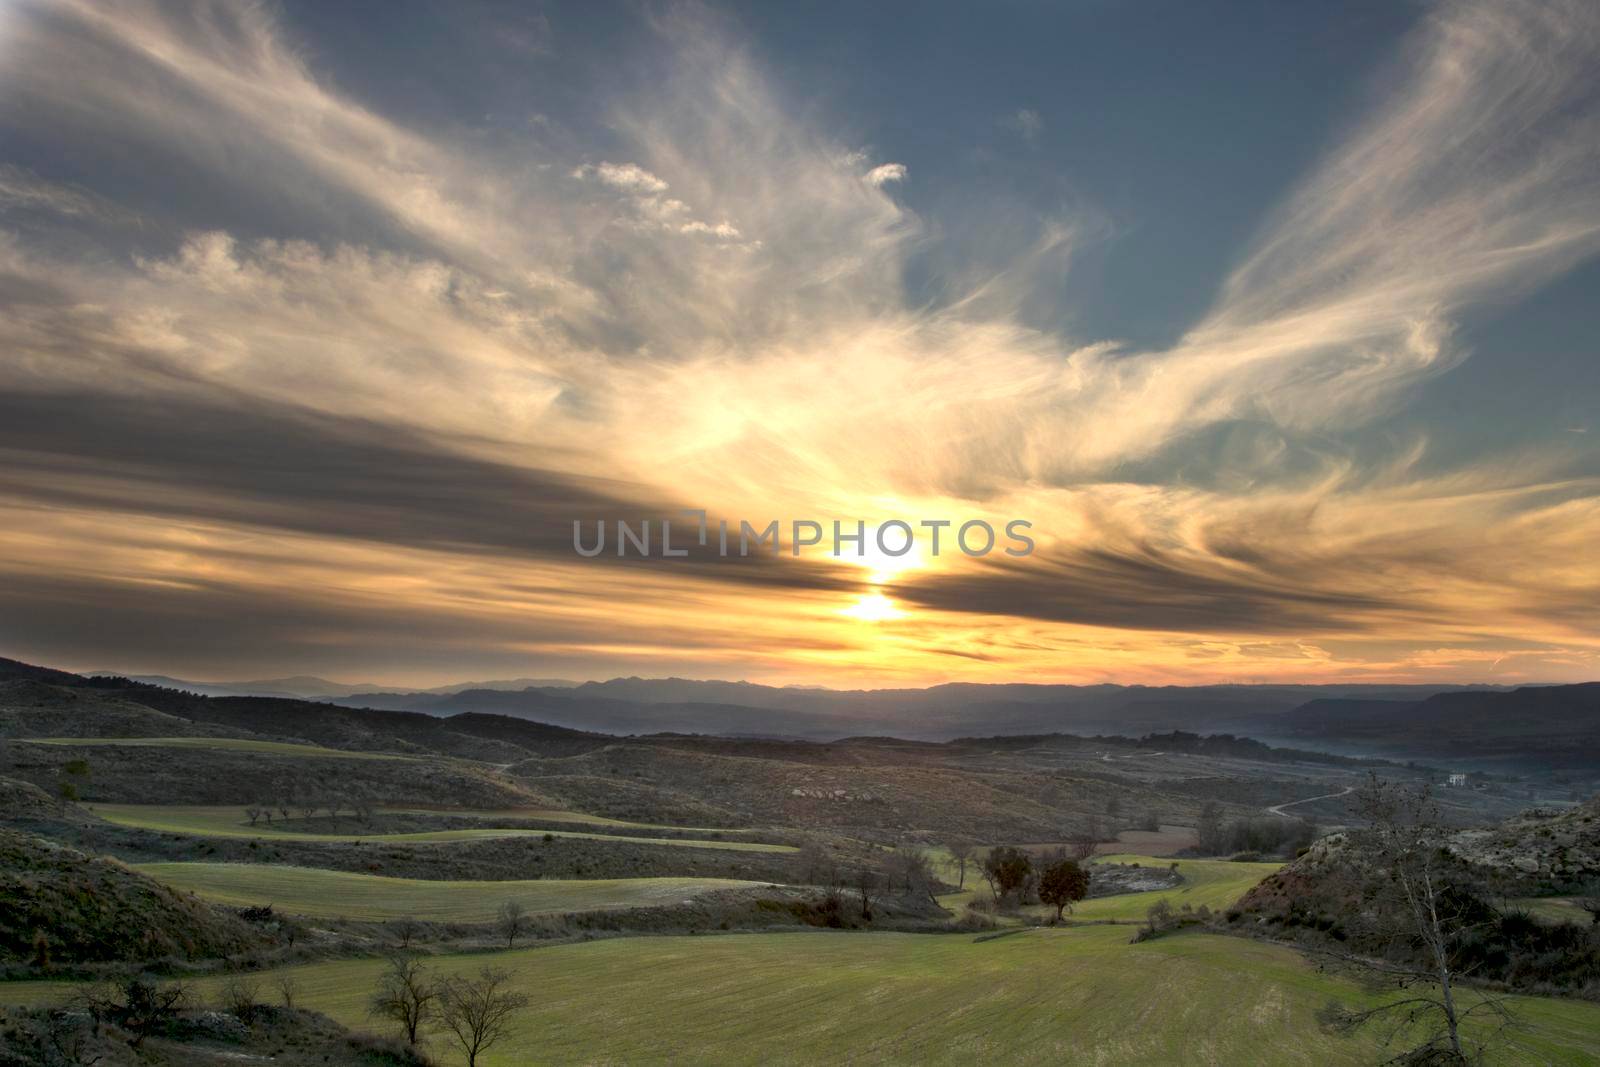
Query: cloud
(1027, 123)
(23, 190)
(884, 173)
(627, 176)
(425, 353)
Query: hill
(62, 906)
(1543, 726)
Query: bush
(240, 997)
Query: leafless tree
(288, 989)
(513, 921)
(253, 813)
(961, 851)
(912, 870)
(138, 1005)
(1589, 901)
(1422, 917)
(868, 883)
(407, 994)
(477, 1013)
(240, 996)
(404, 929)
(1083, 843)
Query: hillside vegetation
(61, 906)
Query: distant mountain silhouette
(1555, 725)
(942, 712)
(310, 687)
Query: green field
(338, 894)
(228, 820)
(555, 815)
(1075, 995)
(1213, 883)
(1554, 909)
(230, 744)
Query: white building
(1457, 779)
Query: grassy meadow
(1078, 994)
(223, 744)
(229, 820)
(1213, 883)
(339, 894)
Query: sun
(873, 607)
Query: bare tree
(1084, 843)
(868, 884)
(513, 921)
(1589, 901)
(477, 1013)
(820, 867)
(1422, 916)
(253, 813)
(288, 989)
(1208, 831)
(404, 929)
(138, 1005)
(911, 868)
(407, 994)
(961, 851)
(240, 996)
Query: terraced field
(336, 894)
(553, 815)
(230, 821)
(1081, 994)
(227, 744)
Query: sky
(321, 325)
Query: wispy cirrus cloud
(711, 309)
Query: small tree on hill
(404, 929)
(407, 994)
(1006, 869)
(1209, 829)
(961, 851)
(911, 869)
(477, 1012)
(868, 883)
(1423, 916)
(1061, 883)
(513, 921)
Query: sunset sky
(321, 323)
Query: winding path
(1277, 809)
